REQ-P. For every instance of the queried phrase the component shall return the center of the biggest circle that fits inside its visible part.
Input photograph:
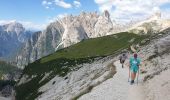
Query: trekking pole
(137, 77)
(129, 74)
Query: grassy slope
(62, 61)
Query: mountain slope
(65, 32)
(153, 81)
(66, 60)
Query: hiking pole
(129, 74)
(137, 77)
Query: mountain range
(25, 46)
(63, 33)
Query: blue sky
(35, 11)
(38, 13)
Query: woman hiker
(134, 63)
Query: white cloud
(77, 4)
(2, 22)
(49, 3)
(63, 4)
(46, 4)
(125, 10)
(62, 15)
(101, 1)
(47, 7)
(166, 14)
(104, 4)
(59, 16)
(33, 26)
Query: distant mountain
(12, 36)
(152, 25)
(63, 33)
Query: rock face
(65, 32)
(152, 25)
(12, 35)
(30, 48)
(163, 45)
(103, 21)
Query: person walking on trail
(134, 63)
(122, 59)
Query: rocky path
(116, 88)
(3, 98)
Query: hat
(135, 55)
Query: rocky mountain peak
(13, 27)
(12, 36)
(106, 14)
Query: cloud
(62, 15)
(63, 4)
(77, 4)
(104, 4)
(53, 19)
(101, 1)
(127, 10)
(33, 26)
(2, 22)
(46, 4)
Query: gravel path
(116, 88)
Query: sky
(39, 13)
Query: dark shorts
(122, 61)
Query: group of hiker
(134, 63)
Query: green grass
(62, 61)
(101, 46)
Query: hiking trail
(117, 88)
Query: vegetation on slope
(6, 68)
(64, 60)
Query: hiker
(122, 59)
(134, 63)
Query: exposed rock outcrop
(63, 33)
